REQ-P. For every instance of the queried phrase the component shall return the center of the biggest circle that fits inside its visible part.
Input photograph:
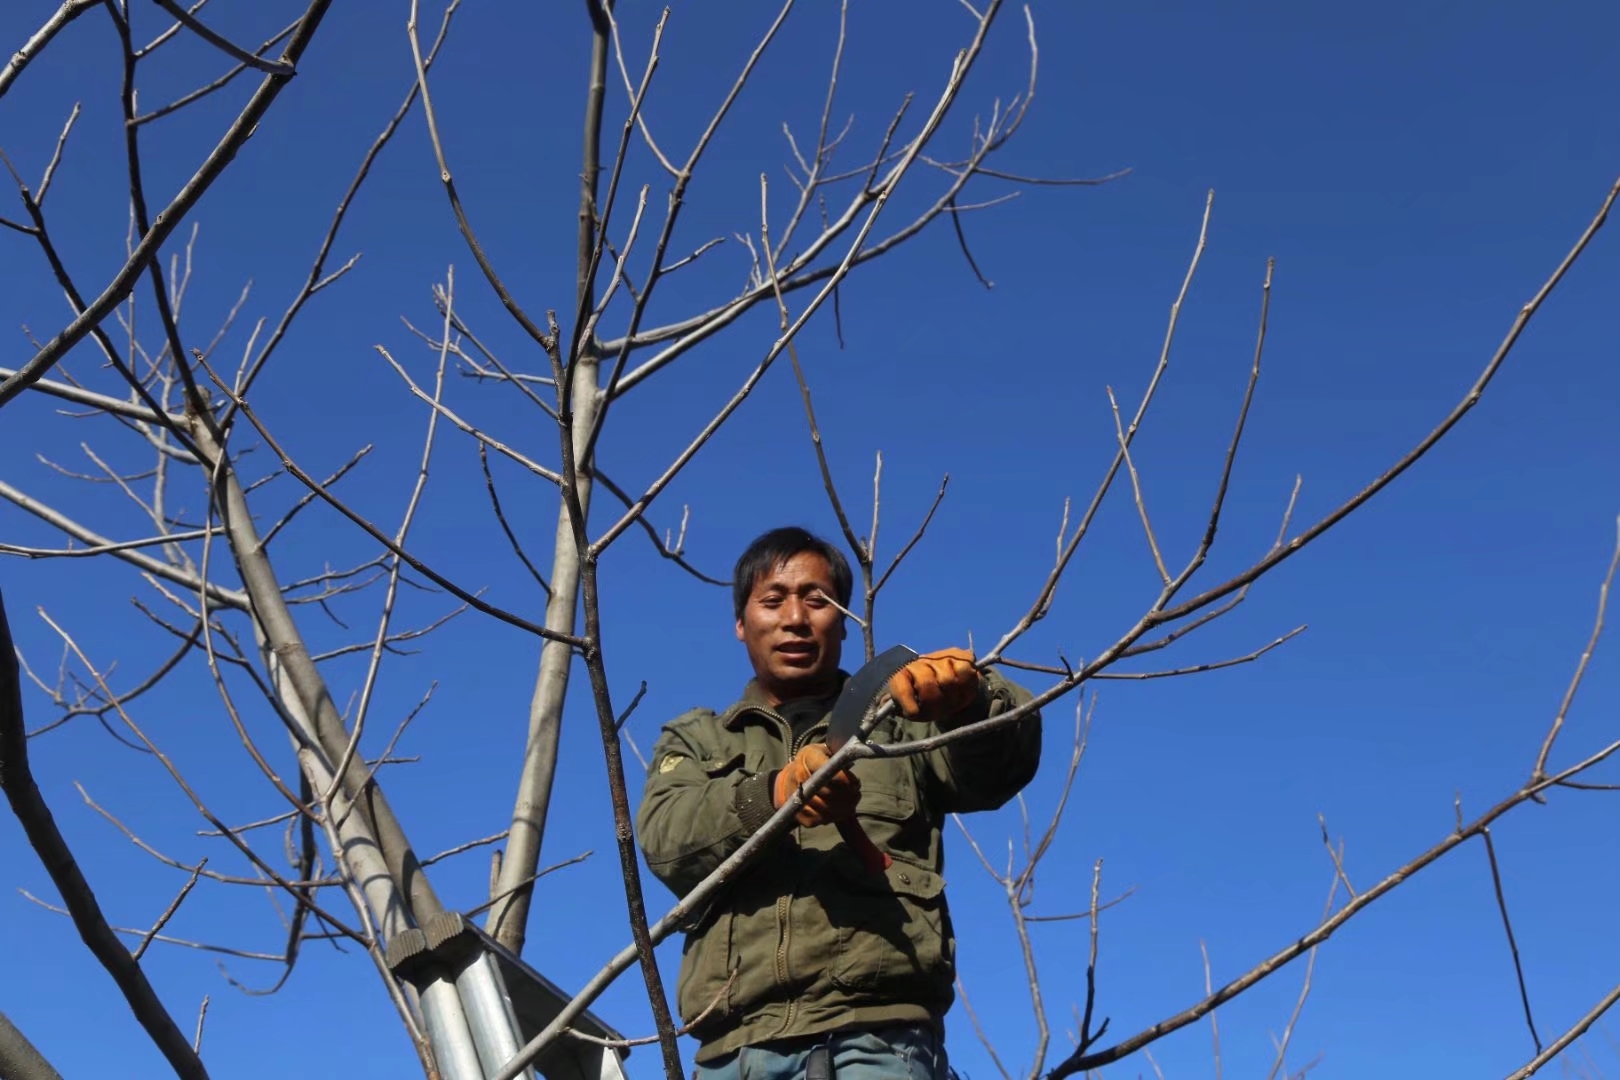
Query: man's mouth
(796, 652)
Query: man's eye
(816, 600)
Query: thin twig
(648, 1040)
(630, 94)
(309, 496)
(1213, 665)
(178, 864)
(277, 819)
(629, 710)
(168, 912)
(56, 157)
(507, 301)
(202, 1014)
(1337, 855)
(493, 838)
(672, 554)
(440, 408)
(1580, 666)
(961, 240)
(978, 1028)
(506, 528)
(1214, 1024)
(525, 883)
(1087, 1036)
(894, 564)
(1136, 489)
(855, 545)
(101, 549)
(1279, 1064)
(1575, 1031)
(165, 939)
(217, 84)
(1513, 945)
(1076, 916)
(235, 52)
(169, 33)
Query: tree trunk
(514, 885)
(308, 701)
(508, 918)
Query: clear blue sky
(1416, 169)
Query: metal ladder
(481, 1003)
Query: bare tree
(180, 434)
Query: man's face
(793, 633)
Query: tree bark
(513, 890)
(508, 918)
(18, 1058)
(302, 688)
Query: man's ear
(740, 635)
(843, 629)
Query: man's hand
(835, 801)
(936, 686)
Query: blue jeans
(903, 1052)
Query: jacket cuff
(753, 802)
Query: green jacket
(816, 942)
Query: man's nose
(795, 612)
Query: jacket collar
(754, 701)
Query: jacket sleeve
(984, 771)
(699, 804)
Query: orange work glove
(833, 803)
(936, 686)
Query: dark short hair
(770, 550)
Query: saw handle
(875, 860)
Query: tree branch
(18, 1058)
(167, 220)
(65, 14)
(227, 597)
(1513, 945)
(220, 42)
(1562, 1043)
(43, 836)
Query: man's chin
(802, 681)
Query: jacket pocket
(715, 768)
(888, 790)
(892, 813)
(890, 932)
(706, 964)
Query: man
(808, 951)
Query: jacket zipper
(784, 936)
(784, 923)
